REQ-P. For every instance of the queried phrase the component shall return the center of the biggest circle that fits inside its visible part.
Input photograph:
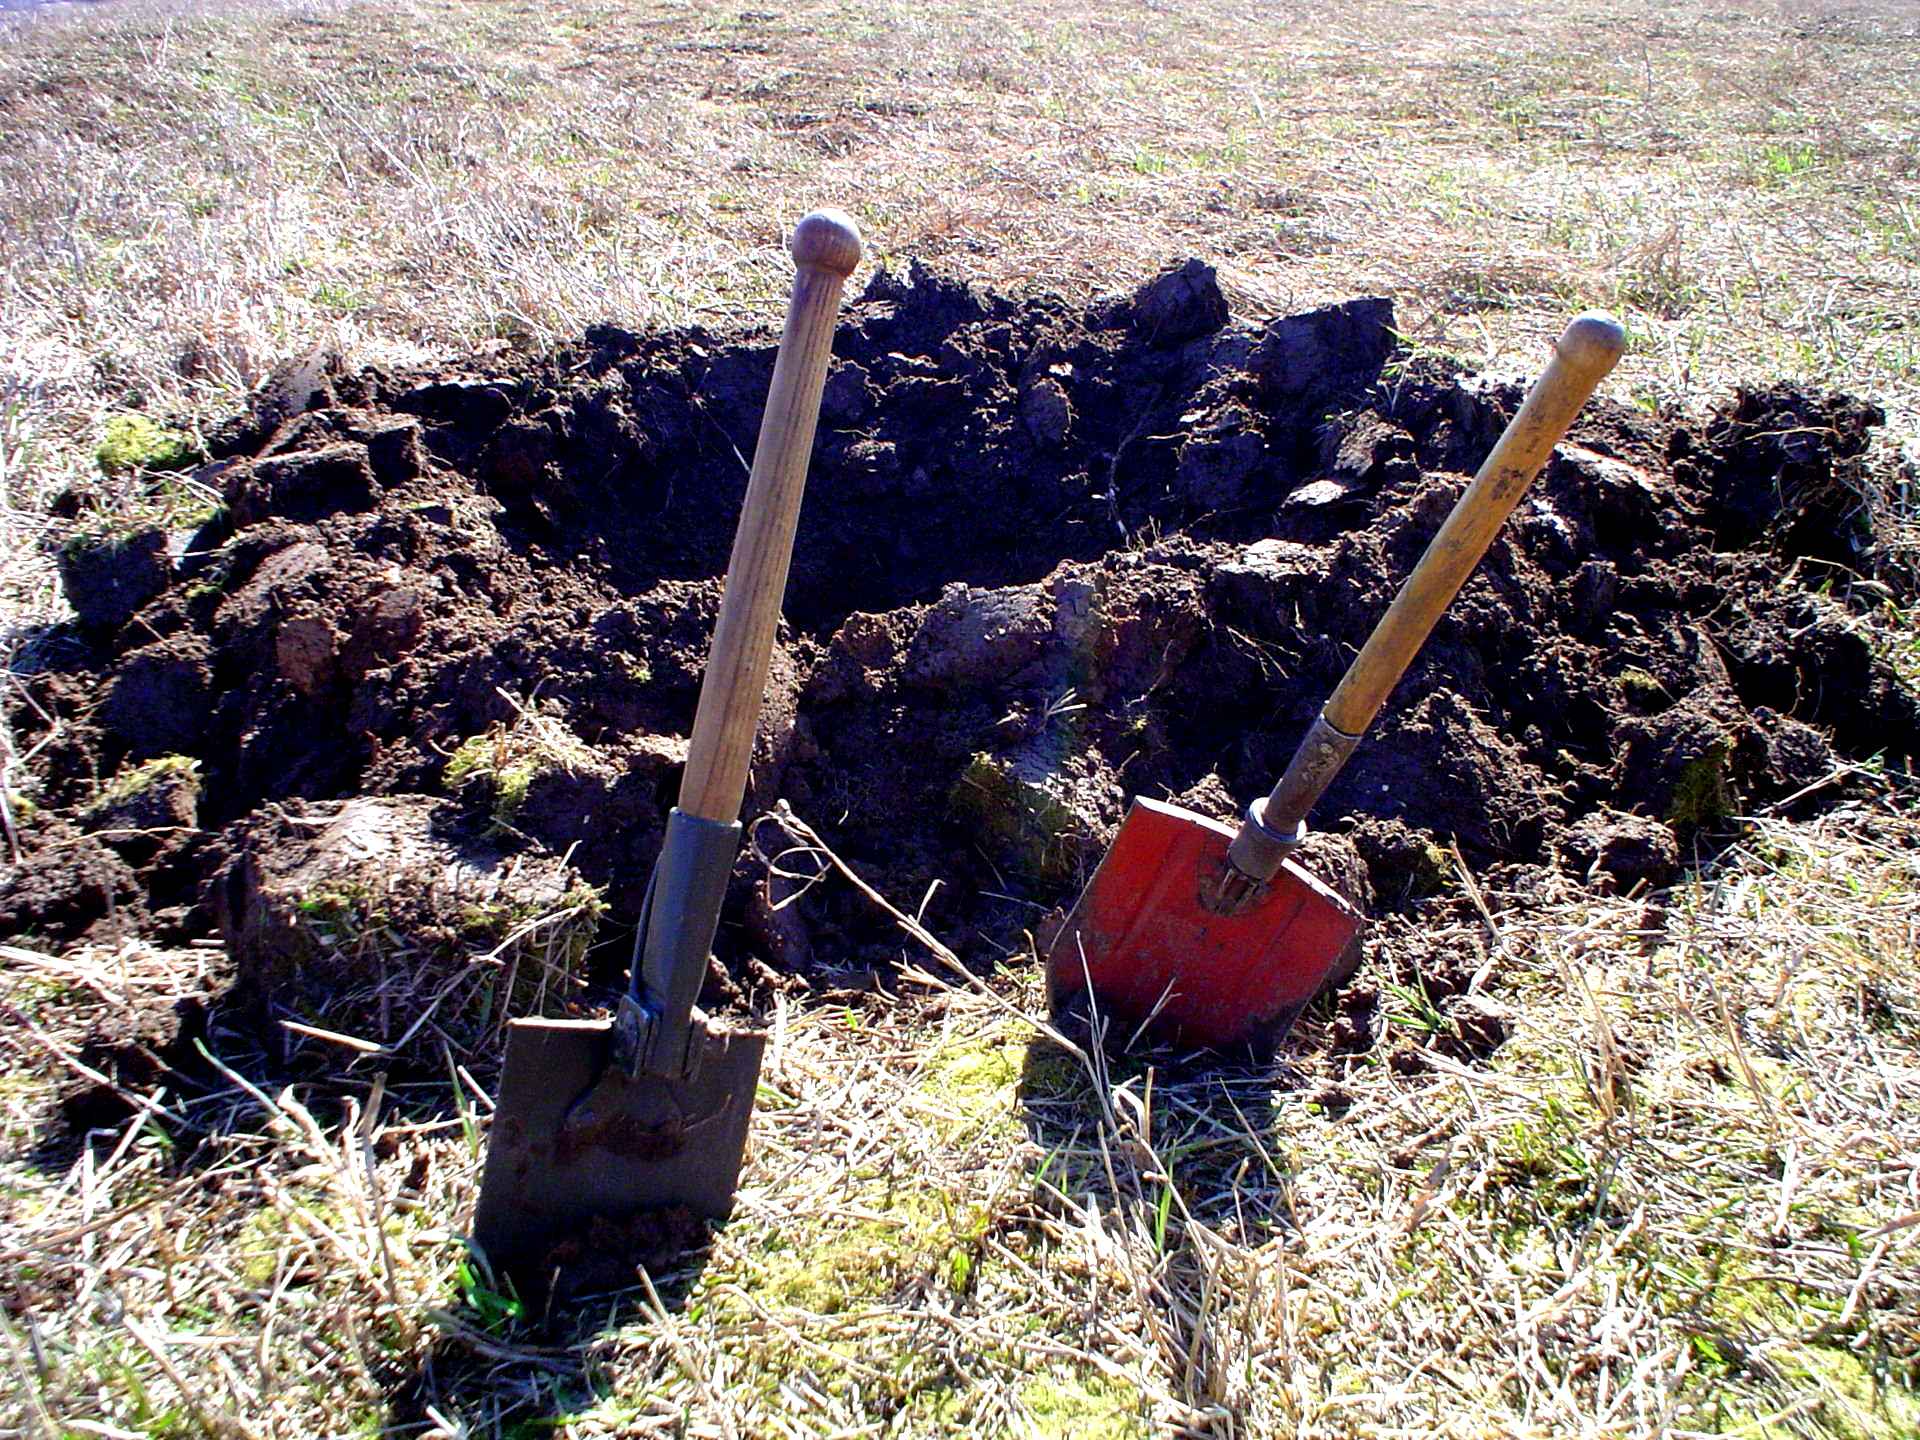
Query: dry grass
(195, 193)
(1681, 1199)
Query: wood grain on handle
(826, 248)
(1585, 353)
(1581, 359)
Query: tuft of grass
(567, 926)
(138, 779)
(1776, 164)
(507, 759)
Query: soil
(1051, 557)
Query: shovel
(647, 1111)
(1213, 936)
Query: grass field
(192, 194)
(1683, 1198)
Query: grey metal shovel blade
(575, 1137)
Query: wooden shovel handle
(826, 248)
(1588, 349)
(1586, 352)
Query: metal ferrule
(1276, 825)
(1258, 850)
(654, 1028)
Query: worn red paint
(1144, 940)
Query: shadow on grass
(1198, 1131)
(513, 1365)
(1171, 1156)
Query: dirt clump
(383, 919)
(108, 577)
(68, 886)
(147, 808)
(450, 630)
(1786, 467)
(1610, 850)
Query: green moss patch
(132, 442)
(1701, 795)
(1080, 1405)
(132, 783)
(1643, 690)
(973, 1084)
(566, 940)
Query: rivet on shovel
(648, 1110)
(1216, 936)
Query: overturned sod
(1055, 556)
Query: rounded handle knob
(1591, 344)
(827, 240)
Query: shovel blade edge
(1144, 941)
(575, 1138)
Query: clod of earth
(108, 577)
(147, 807)
(1611, 850)
(381, 919)
(437, 662)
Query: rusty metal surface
(1147, 939)
(575, 1137)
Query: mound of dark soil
(1049, 558)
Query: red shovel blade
(1143, 937)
